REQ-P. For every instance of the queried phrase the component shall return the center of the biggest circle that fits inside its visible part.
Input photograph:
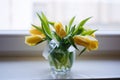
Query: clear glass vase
(61, 59)
(61, 62)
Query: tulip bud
(87, 41)
(34, 31)
(33, 40)
(59, 29)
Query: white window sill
(13, 32)
(29, 68)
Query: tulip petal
(81, 40)
(33, 40)
(59, 29)
(87, 41)
(34, 31)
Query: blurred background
(16, 17)
(20, 14)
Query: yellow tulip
(33, 40)
(34, 31)
(87, 41)
(93, 45)
(81, 40)
(59, 29)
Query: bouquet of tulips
(69, 34)
(60, 38)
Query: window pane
(15, 14)
(19, 14)
(4, 14)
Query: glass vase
(61, 62)
(60, 58)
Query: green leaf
(72, 42)
(88, 32)
(51, 23)
(71, 21)
(80, 25)
(71, 58)
(44, 17)
(57, 37)
(70, 24)
(45, 25)
(65, 59)
(82, 51)
(80, 30)
(71, 32)
(47, 35)
(84, 21)
(67, 29)
(37, 27)
(53, 60)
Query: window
(16, 17)
(19, 14)
(15, 14)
